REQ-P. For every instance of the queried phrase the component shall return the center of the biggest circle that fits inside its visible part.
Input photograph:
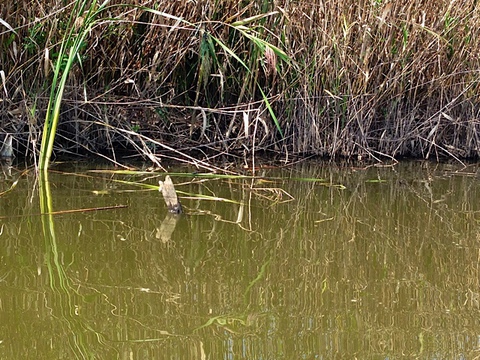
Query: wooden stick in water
(170, 196)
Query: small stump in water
(6, 147)
(170, 196)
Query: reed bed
(165, 78)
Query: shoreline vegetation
(215, 80)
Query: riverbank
(371, 80)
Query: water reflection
(385, 267)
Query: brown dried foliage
(365, 78)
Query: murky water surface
(367, 263)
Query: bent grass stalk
(8, 26)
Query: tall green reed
(81, 21)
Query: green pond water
(365, 262)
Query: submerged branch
(71, 211)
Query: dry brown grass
(368, 79)
(398, 79)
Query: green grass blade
(270, 110)
(231, 53)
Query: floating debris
(6, 151)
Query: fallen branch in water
(60, 212)
(170, 195)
